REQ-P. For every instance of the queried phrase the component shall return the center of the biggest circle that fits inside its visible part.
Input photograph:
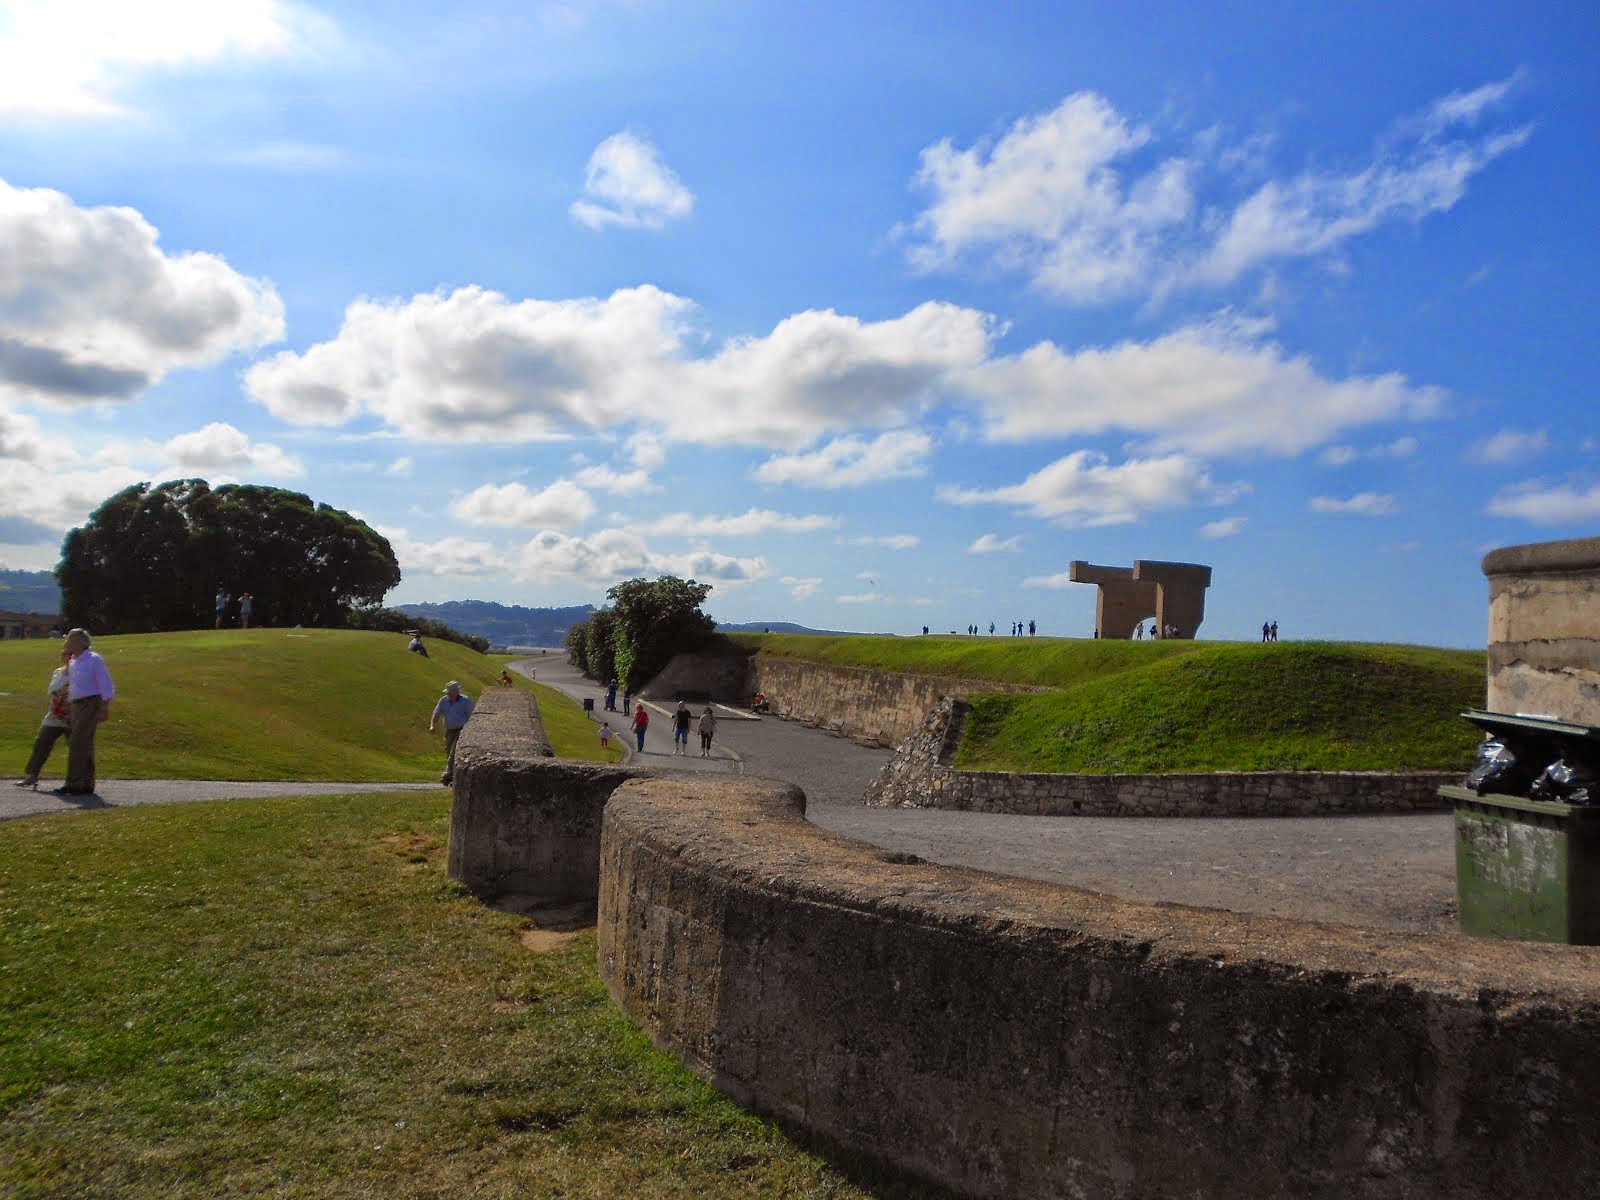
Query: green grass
(296, 704)
(1301, 706)
(1187, 705)
(287, 998)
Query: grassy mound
(1241, 707)
(294, 704)
(1186, 705)
(287, 998)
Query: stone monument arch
(1174, 592)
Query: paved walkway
(121, 793)
(1392, 871)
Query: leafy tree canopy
(153, 558)
(647, 623)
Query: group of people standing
(78, 698)
(1018, 629)
(1157, 634)
(247, 608)
(1269, 631)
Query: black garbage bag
(1568, 782)
(1499, 770)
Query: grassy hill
(1189, 706)
(296, 704)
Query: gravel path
(1390, 871)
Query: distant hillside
(776, 627)
(29, 591)
(504, 624)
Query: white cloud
(609, 479)
(645, 451)
(1341, 456)
(287, 156)
(616, 554)
(91, 308)
(1210, 389)
(1055, 583)
(866, 598)
(563, 504)
(751, 521)
(628, 184)
(221, 447)
(1511, 446)
(851, 461)
(889, 541)
(1083, 488)
(1362, 504)
(990, 543)
(801, 588)
(447, 556)
(69, 59)
(1543, 504)
(1080, 200)
(400, 466)
(471, 365)
(1225, 528)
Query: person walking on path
(605, 734)
(611, 696)
(455, 708)
(680, 729)
(89, 695)
(55, 725)
(627, 702)
(641, 722)
(708, 727)
(222, 606)
(247, 608)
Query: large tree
(648, 622)
(152, 558)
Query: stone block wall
(1544, 629)
(1006, 1038)
(522, 821)
(920, 776)
(880, 707)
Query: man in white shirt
(89, 695)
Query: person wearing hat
(455, 708)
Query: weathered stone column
(1544, 629)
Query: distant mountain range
(29, 591)
(504, 624)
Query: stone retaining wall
(880, 707)
(1009, 1038)
(920, 776)
(1544, 629)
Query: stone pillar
(1544, 629)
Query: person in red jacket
(641, 722)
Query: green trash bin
(1527, 869)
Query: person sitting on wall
(759, 704)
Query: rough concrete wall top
(505, 722)
(1574, 554)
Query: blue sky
(872, 315)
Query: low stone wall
(522, 821)
(920, 776)
(880, 707)
(1004, 1037)
(1544, 629)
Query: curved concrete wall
(920, 776)
(1009, 1038)
(1544, 629)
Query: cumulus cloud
(616, 554)
(1547, 504)
(1216, 388)
(1341, 456)
(221, 447)
(92, 309)
(1072, 199)
(562, 504)
(1059, 582)
(889, 541)
(609, 479)
(70, 59)
(474, 365)
(1225, 528)
(629, 185)
(1362, 504)
(801, 588)
(1511, 446)
(400, 466)
(990, 543)
(447, 556)
(1085, 489)
(748, 523)
(851, 461)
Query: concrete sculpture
(1173, 593)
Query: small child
(605, 734)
